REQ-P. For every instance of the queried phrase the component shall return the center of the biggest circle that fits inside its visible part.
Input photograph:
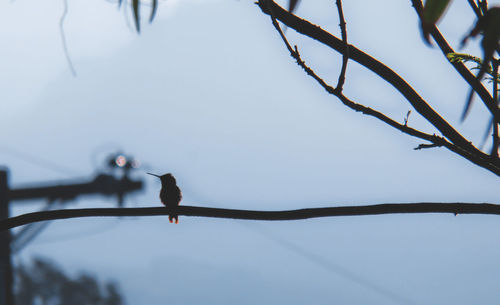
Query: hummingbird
(170, 194)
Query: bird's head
(167, 178)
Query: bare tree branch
(294, 52)
(306, 28)
(423, 146)
(362, 210)
(459, 144)
(435, 140)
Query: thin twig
(63, 38)
(345, 54)
(277, 26)
(407, 118)
(422, 146)
(361, 210)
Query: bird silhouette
(170, 195)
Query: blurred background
(209, 93)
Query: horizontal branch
(362, 210)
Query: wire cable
(326, 264)
(36, 160)
(95, 230)
(29, 232)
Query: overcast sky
(209, 93)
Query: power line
(39, 161)
(29, 232)
(326, 264)
(95, 230)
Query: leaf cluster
(136, 11)
(468, 58)
(487, 24)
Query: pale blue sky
(209, 93)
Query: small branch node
(423, 146)
(406, 118)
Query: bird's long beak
(153, 175)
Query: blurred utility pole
(102, 184)
(6, 294)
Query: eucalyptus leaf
(154, 7)
(135, 10)
(433, 11)
(292, 4)
(489, 26)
